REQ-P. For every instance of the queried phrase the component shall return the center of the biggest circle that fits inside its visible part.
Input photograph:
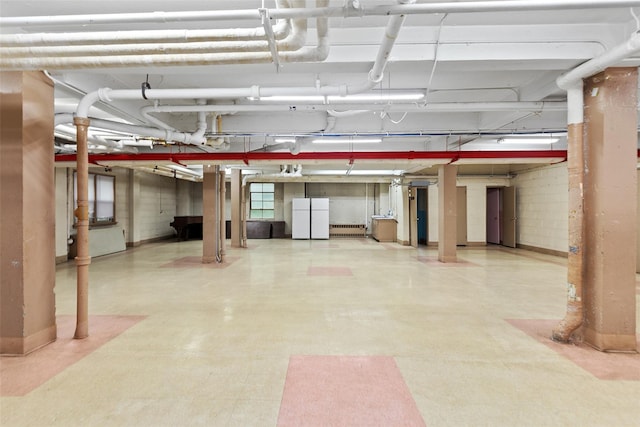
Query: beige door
(461, 216)
(509, 217)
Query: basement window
(102, 198)
(262, 200)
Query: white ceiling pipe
(313, 54)
(364, 106)
(164, 134)
(107, 94)
(599, 63)
(280, 30)
(296, 39)
(291, 13)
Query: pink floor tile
(329, 271)
(21, 374)
(196, 262)
(605, 366)
(346, 391)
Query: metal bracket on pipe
(271, 39)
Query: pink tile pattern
(329, 271)
(346, 391)
(196, 262)
(604, 366)
(21, 374)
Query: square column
(210, 227)
(610, 209)
(236, 205)
(447, 213)
(27, 197)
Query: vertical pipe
(223, 222)
(217, 214)
(81, 212)
(243, 214)
(575, 260)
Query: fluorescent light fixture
(308, 98)
(527, 140)
(183, 169)
(285, 139)
(360, 97)
(377, 172)
(407, 96)
(346, 141)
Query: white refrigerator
(319, 218)
(301, 218)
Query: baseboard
(62, 259)
(542, 250)
(20, 346)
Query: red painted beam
(333, 155)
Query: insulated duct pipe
(336, 12)
(196, 138)
(572, 82)
(280, 31)
(374, 76)
(182, 55)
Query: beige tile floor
(215, 345)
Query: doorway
(418, 216)
(501, 216)
(422, 203)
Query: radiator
(347, 230)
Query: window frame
(253, 209)
(93, 204)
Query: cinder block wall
(542, 203)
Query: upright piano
(187, 227)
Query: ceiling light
(381, 172)
(346, 141)
(308, 98)
(285, 139)
(407, 96)
(527, 140)
(360, 97)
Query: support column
(27, 229)
(610, 209)
(210, 227)
(236, 187)
(133, 239)
(447, 212)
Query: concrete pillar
(27, 229)
(209, 225)
(610, 209)
(236, 227)
(135, 208)
(447, 213)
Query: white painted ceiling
(474, 57)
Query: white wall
(291, 190)
(542, 205)
(158, 208)
(62, 213)
(349, 203)
(476, 207)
